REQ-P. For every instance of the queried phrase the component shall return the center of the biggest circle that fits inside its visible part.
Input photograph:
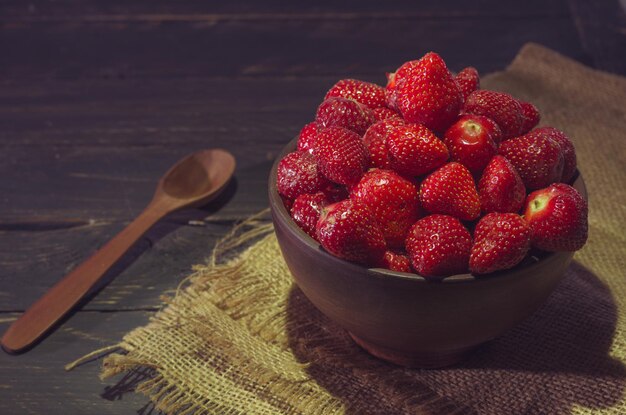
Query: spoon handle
(65, 294)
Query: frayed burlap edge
(232, 334)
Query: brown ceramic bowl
(403, 318)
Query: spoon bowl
(193, 181)
(197, 178)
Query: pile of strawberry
(432, 175)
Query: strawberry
(531, 116)
(287, 202)
(468, 81)
(341, 155)
(413, 150)
(425, 92)
(346, 113)
(451, 190)
(472, 141)
(375, 139)
(439, 246)
(384, 113)
(557, 216)
(306, 138)
(500, 107)
(501, 241)
(366, 93)
(567, 147)
(500, 188)
(347, 230)
(298, 174)
(537, 158)
(306, 210)
(393, 202)
(396, 262)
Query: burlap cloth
(240, 338)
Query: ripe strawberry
(384, 113)
(500, 107)
(306, 138)
(557, 216)
(287, 202)
(537, 158)
(501, 241)
(396, 262)
(306, 210)
(439, 246)
(298, 174)
(346, 113)
(425, 92)
(531, 116)
(451, 190)
(341, 155)
(393, 202)
(347, 230)
(399, 75)
(472, 141)
(413, 150)
(366, 93)
(500, 188)
(468, 81)
(375, 139)
(567, 147)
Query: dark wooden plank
(13, 10)
(300, 45)
(32, 261)
(602, 28)
(36, 382)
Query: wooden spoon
(193, 181)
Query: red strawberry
(347, 230)
(537, 158)
(396, 262)
(366, 93)
(306, 211)
(567, 147)
(375, 140)
(501, 241)
(439, 246)
(531, 116)
(341, 155)
(426, 93)
(298, 174)
(306, 138)
(413, 150)
(384, 113)
(400, 75)
(393, 202)
(287, 202)
(468, 81)
(346, 113)
(500, 107)
(500, 188)
(557, 216)
(451, 190)
(472, 141)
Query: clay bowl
(401, 317)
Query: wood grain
(104, 96)
(122, 42)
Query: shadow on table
(128, 383)
(555, 359)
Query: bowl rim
(278, 209)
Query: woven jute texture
(240, 338)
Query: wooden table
(98, 100)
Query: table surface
(98, 99)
